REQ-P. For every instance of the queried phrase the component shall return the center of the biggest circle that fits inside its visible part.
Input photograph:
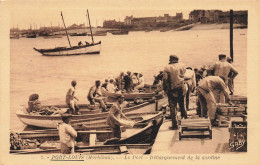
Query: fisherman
(207, 101)
(34, 104)
(115, 115)
(96, 94)
(71, 99)
(140, 82)
(198, 76)
(223, 68)
(120, 81)
(174, 86)
(230, 78)
(128, 82)
(111, 86)
(158, 78)
(135, 80)
(189, 78)
(104, 85)
(67, 135)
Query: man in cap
(115, 114)
(67, 135)
(223, 68)
(71, 99)
(207, 101)
(174, 86)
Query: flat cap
(173, 56)
(222, 55)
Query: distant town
(131, 23)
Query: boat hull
(128, 96)
(51, 121)
(76, 50)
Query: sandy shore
(214, 26)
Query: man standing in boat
(67, 135)
(71, 99)
(174, 86)
(116, 115)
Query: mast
(65, 28)
(90, 28)
(231, 35)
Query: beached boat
(93, 48)
(50, 121)
(135, 140)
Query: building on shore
(217, 16)
(137, 22)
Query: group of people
(68, 134)
(128, 82)
(211, 84)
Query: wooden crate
(224, 119)
(236, 99)
(195, 128)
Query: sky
(24, 14)
(37, 13)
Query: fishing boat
(99, 33)
(93, 48)
(79, 34)
(50, 121)
(120, 32)
(136, 140)
(14, 36)
(31, 35)
(148, 92)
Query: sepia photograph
(150, 81)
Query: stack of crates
(226, 110)
(238, 137)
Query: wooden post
(231, 35)
(65, 28)
(90, 28)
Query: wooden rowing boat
(148, 93)
(50, 121)
(136, 140)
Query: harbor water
(145, 52)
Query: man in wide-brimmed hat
(174, 86)
(67, 135)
